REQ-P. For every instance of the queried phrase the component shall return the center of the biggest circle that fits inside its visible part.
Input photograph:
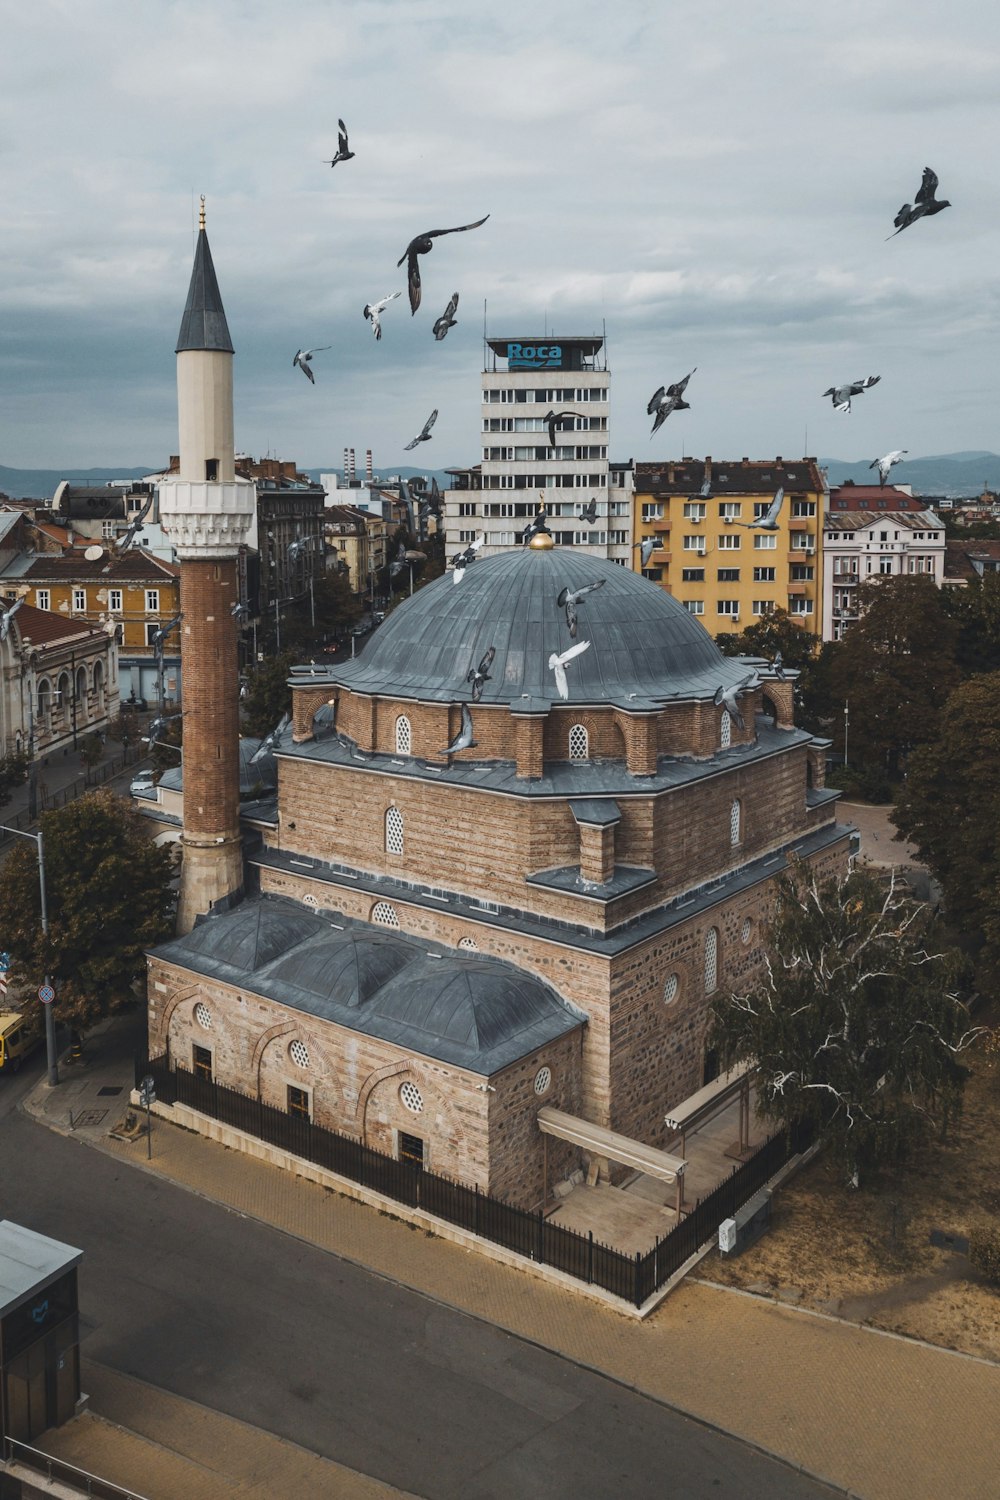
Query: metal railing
(68, 1474)
(634, 1278)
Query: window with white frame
(652, 512)
(735, 822)
(800, 541)
(404, 736)
(765, 541)
(800, 607)
(79, 600)
(579, 742)
(43, 599)
(694, 606)
(730, 541)
(763, 607)
(393, 831)
(711, 960)
(730, 607)
(730, 510)
(115, 601)
(803, 507)
(152, 601)
(764, 575)
(725, 729)
(694, 543)
(695, 510)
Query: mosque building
(475, 896)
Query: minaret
(207, 512)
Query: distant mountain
(961, 475)
(40, 484)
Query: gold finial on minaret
(201, 213)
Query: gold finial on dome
(542, 541)
(201, 213)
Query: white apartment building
(861, 545)
(520, 472)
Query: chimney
(369, 467)
(347, 464)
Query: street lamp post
(50, 1020)
(846, 716)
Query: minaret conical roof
(203, 325)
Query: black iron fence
(634, 1278)
(55, 1469)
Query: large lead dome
(643, 644)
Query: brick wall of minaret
(211, 702)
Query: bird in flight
(8, 615)
(570, 598)
(728, 697)
(424, 435)
(463, 740)
(886, 462)
(646, 549)
(557, 664)
(842, 394)
(461, 560)
(924, 204)
(589, 514)
(422, 244)
(535, 526)
(344, 153)
(664, 401)
(374, 310)
(557, 419)
(303, 357)
(769, 520)
(447, 318)
(129, 535)
(480, 676)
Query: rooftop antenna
(485, 346)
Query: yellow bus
(17, 1040)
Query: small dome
(643, 642)
(249, 937)
(344, 967)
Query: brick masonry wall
(211, 713)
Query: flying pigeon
(461, 560)
(447, 318)
(769, 520)
(728, 697)
(422, 244)
(590, 514)
(343, 152)
(778, 667)
(269, 741)
(128, 536)
(159, 636)
(570, 599)
(399, 561)
(646, 549)
(8, 615)
(424, 435)
(924, 204)
(535, 526)
(480, 676)
(556, 419)
(842, 393)
(463, 740)
(303, 357)
(374, 311)
(705, 493)
(558, 662)
(886, 462)
(663, 402)
(240, 612)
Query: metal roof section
(600, 812)
(475, 1012)
(203, 325)
(29, 1261)
(643, 643)
(600, 1141)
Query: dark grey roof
(256, 777)
(474, 1012)
(203, 325)
(644, 646)
(601, 811)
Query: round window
(203, 1016)
(411, 1097)
(670, 988)
(310, 899)
(746, 931)
(542, 1080)
(469, 943)
(299, 1053)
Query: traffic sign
(46, 994)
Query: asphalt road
(198, 1300)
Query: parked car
(143, 784)
(17, 1041)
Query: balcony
(841, 580)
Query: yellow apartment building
(726, 572)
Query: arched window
(735, 822)
(393, 831)
(62, 694)
(404, 736)
(44, 701)
(99, 685)
(711, 960)
(579, 743)
(725, 730)
(81, 694)
(469, 943)
(384, 914)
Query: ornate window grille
(393, 831)
(384, 914)
(711, 960)
(404, 736)
(579, 743)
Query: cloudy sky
(714, 182)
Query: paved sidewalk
(880, 1416)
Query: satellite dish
(94, 553)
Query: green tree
(770, 634)
(854, 1025)
(895, 667)
(109, 899)
(975, 610)
(13, 772)
(91, 750)
(949, 809)
(269, 696)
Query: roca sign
(534, 356)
